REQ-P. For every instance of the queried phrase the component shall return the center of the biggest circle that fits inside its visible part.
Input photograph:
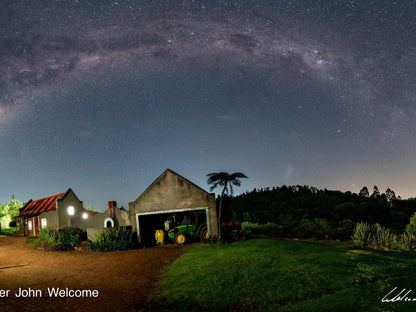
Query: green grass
(9, 231)
(277, 275)
(32, 240)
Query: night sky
(103, 96)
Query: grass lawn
(9, 231)
(278, 275)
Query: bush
(313, 228)
(12, 223)
(53, 239)
(411, 227)
(112, 239)
(271, 229)
(406, 242)
(373, 235)
(345, 228)
(75, 231)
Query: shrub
(372, 235)
(384, 237)
(365, 234)
(53, 239)
(313, 228)
(345, 228)
(113, 239)
(48, 237)
(271, 229)
(406, 242)
(75, 231)
(411, 227)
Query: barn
(170, 197)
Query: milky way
(104, 97)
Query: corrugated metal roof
(36, 207)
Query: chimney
(111, 205)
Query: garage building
(170, 197)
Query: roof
(36, 207)
(162, 175)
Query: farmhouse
(170, 197)
(65, 210)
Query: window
(29, 225)
(44, 222)
(71, 210)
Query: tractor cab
(192, 228)
(191, 219)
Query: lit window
(29, 225)
(71, 210)
(44, 222)
(85, 215)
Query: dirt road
(123, 279)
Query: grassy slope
(275, 275)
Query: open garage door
(149, 222)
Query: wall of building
(62, 207)
(170, 192)
(121, 218)
(51, 217)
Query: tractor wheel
(203, 234)
(180, 238)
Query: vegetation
(271, 229)
(227, 181)
(373, 235)
(32, 240)
(411, 227)
(8, 231)
(8, 212)
(307, 212)
(277, 275)
(377, 237)
(53, 239)
(113, 239)
(405, 242)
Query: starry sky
(103, 96)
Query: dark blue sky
(104, 97)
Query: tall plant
(411, 227)
(226, 180)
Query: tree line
(305, 211)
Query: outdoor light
(85, 215)
(71, 210)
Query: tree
(390, 195)
(364, 192)
(9, 211)
(376, 192)
(227, 181)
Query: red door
(36, 226)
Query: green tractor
(192, 228)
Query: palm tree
(227, 181)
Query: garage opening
(149, 222)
